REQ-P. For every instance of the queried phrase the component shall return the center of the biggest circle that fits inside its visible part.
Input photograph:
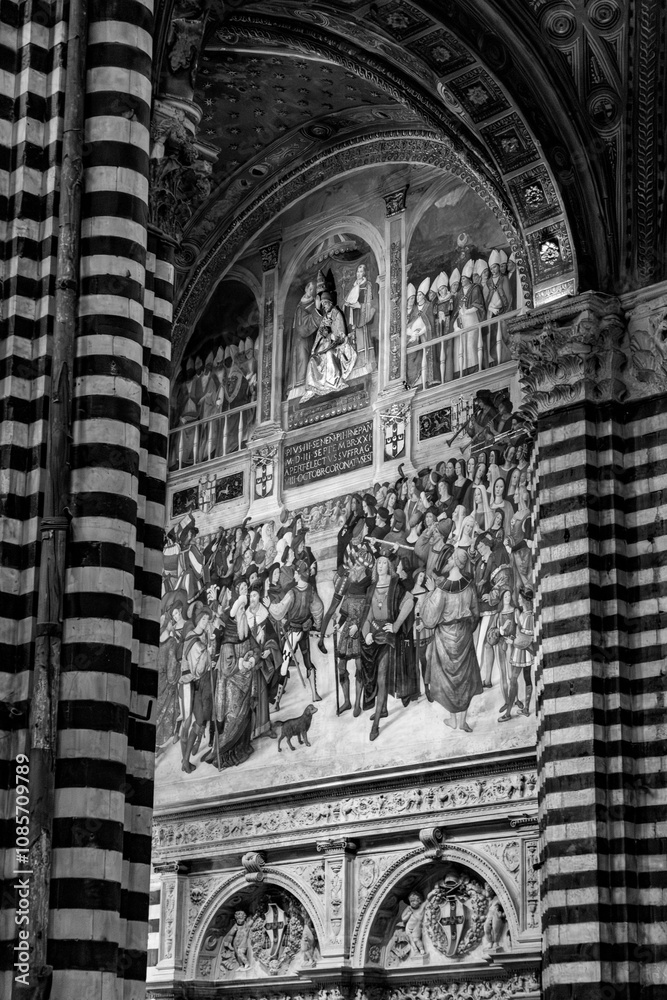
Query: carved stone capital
(569, 352)
(647, 346)
(337, 846)
(270, 255)
(171, 868)
(395, 202)
(180, 167)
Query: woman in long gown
(235, 709)
(452, 611)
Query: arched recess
(399, 146)
(456, 854)
(353, 224)
(571, 152)
(231, 887)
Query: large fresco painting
(387, 627)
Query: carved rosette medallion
(570, 352)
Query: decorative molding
(508, 855)
(395, 202)
(172, 833)
(396, 298)
(336, 846)
(569, 352)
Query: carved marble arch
(461, 884)
(214, 954)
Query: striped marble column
(570, 358)
(101, 857)
(32, 74)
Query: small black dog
(296, 727)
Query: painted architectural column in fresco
(393, 369)
(269, 394)
(571, 360)
(338, 897)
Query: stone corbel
(570, 352)
(433, 838)
(254, 862)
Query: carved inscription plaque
(330, 455)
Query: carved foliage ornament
(570, 352)
(395, 202)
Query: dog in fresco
(296, 727)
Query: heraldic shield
(274, 923)
(453, 918)
(264, 479)
(394, 438)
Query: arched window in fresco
(462, 283)
(331, 321)
(214, 397)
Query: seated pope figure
(333, 355)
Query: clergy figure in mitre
(333, 356)
(304, 328)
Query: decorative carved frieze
(570, 352)
(351, 810)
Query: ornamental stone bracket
(570, 352)
(254, 863)
(433, 839)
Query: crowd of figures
(432, 595)
(221, 382)
(455, 303)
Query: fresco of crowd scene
(432, 597)
(222, 383)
